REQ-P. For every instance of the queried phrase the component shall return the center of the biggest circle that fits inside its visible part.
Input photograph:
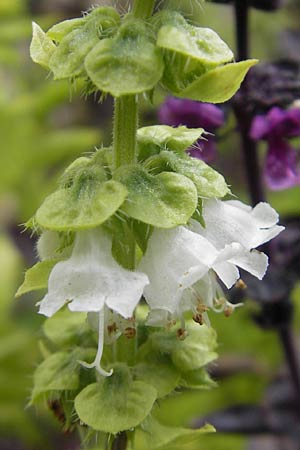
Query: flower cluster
(277, 127)
(179, 272)
(176, 112)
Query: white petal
(175, 259)
(264, 215)
(226, 223)
(232, 221)
(127, 290)
(253, 262)
(265, 235)
(49, 305)
(227, 272)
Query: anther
(240, 284)
(129, 332)
(198, 318)
(228, 310)
(181, 334)
(112, 329)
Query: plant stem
(249, 147)
(143, 8)
(125, 128)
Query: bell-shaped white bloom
(91, 279)
(181, 262)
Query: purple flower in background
(282, 168)
(175, 112)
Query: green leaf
(197, 379)
(218, 85)
(200, 44)
(127, 64)
(36, 277)
(41, 47)
(61, 29)
(164, 200)
(163, 377)
(192, 353)
(209, 182)
(59, 372)
(163, 437)
(153, 139)
(66, 327)
(81, 207)
(68, 59)
(115, 403)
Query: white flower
(91, 279)
(180, 262)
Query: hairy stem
(143, 8)
(125, 128)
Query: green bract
(86, 199)
(36, 277)
(202, 45)
(41, 47)
(161, 375)
(59, 372)
(220, 84)
(197, 379)
(164, 200)
(163, 437)
(61, 29)
(66, 327)
(68, 59)
(193, 57)
(209, 182)
(115, 403)
(129, 63)
(151, 140)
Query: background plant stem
(257, 194)
(249, 147)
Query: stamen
(240, 284)
(97, 362)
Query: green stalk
(143, 8)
